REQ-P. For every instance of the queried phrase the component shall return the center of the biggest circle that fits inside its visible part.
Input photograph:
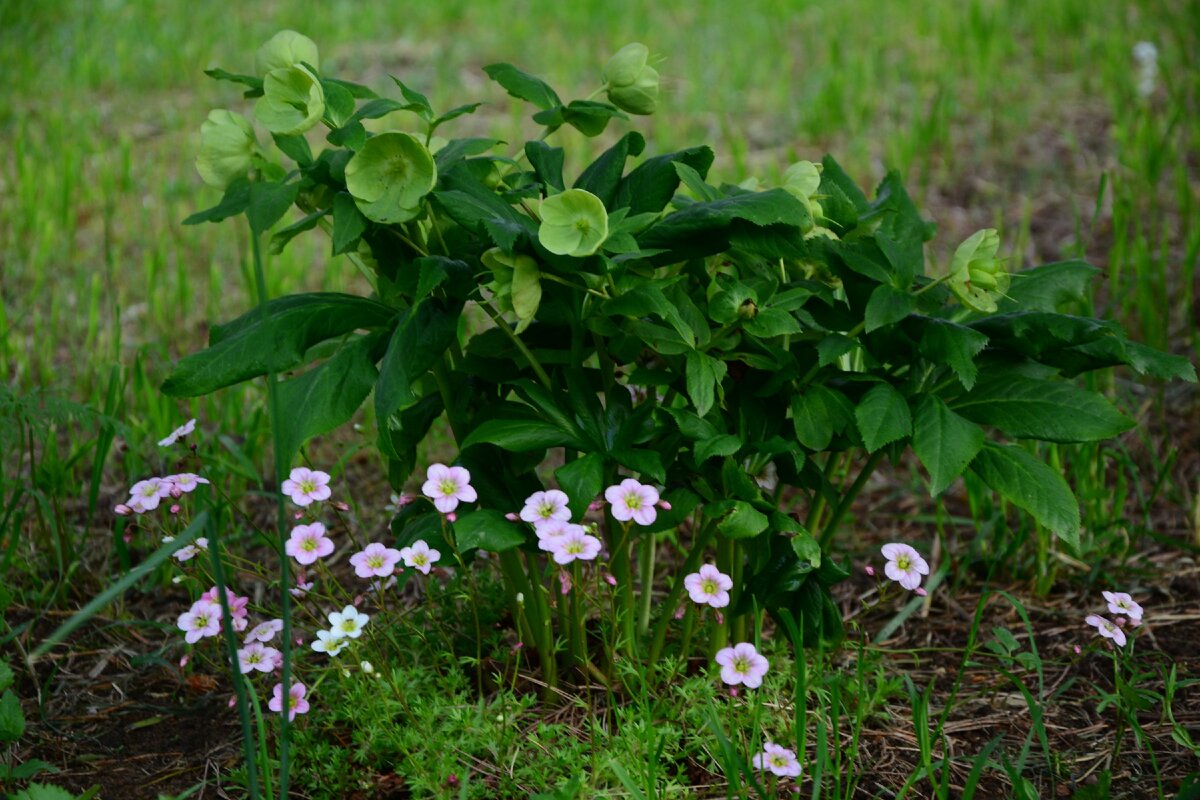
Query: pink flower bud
(127, 537)
(733, 691)
(516, 647)
(122, 510)
(564, 578)
(720, 617)
(610, 579)
(1121, 622)
(511, 517)
(920, 591)
(340, 506)
(1077, 649)
(870, 570)
(664, 505)
(299, 641)
(451, 516)
(183, 662)
(404, 500)
(175, 508)
(596, 505)
(358, 600)
(232, 697)
(679, 612)
(176, 492)
(298, 515)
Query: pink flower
(545, 506)
(1107, 629)
(778, 760)
(553, 530)
(709, 586)
(1122, 603)
(301, 589)
(305, 486)
(742, 664)
(631, 500)
(375, 561)
(296, 702)
(192, 550)
(574, 545)
(144, 495)
(420, 556)
(257, 656)
(307, 543)
(905, 565)
(185, 482)
(237, 606)
(448, 486)
(177, 434)
(264, 631)
(201, 621)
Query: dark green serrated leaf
(770, 322)
(12, 719)
(349, 224)
(547, 163)
(1031, 485)
(603, 175)
(249, 346)
(423, 334)
(487, 529)
(833, 347)
(721, 445)
(703, 373)
(887, 306)
(326, 396)
(703, 229)
(1048, 287)
(339, 103)
(883, 417)
(235, 200)
(582, 480)
(268, 203)
(280, 239)
(651, 185)
(1052, 411)
(818, 414)
(944, 342)
(523, 86)
(944, 442)
(742, 521)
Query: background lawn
(1022, 115)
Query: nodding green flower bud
(389, 176)
(574, 223)
(516, 283)
(292, 102)
(227, 147)
(631, 83)
(977, 277)
(286, 49)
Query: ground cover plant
(626, 411)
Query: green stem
(516, 340)
(720, 634)
(737, 624)
(690, 565)
(848, 497)
(646, 570)
(285, 605)
(622, 570)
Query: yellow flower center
(904, 563)
(308, 486)
(708, 586)
(448, 486)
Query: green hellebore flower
(631, 83)
(802, 180)
(977, 277)
(574, 223)
(286, 49)
(292, 102)
(389, 176)
(227, 147)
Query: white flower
(177, 434)
(348, 622)
(420, 555)
(330, 643)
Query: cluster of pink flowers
(146, 495)
(1124, 606)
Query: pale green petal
(286, 49)
(802, 180)
(626, 65)
(292, 102)
(631, 83)
(227, 146)
(574, 223)
(389, 177)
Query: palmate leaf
(1029, 484)
(250, 346)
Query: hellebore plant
(647, 334)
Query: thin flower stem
(848, 496)
(689, 566)
(285, 606)
(622, 570)
(516, 340)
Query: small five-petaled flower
(778, 760)
(448, 486)
(709, 586)
(904, 565)
(306, 486)
(742, 664)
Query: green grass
(1021, 115)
